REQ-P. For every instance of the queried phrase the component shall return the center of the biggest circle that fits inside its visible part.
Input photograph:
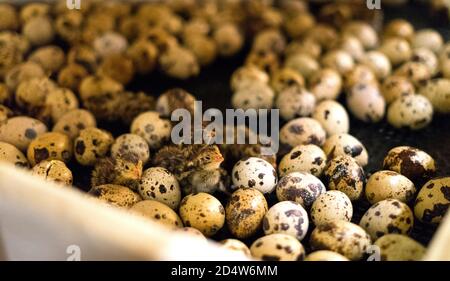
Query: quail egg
(428, 58)
(428, 38)
(116, 195)
(235, 245)
(203, 212)
(438, 93)
(303, 63)
(339, 60)
(53, 170)
(60, 101)
(389, 185)
(50, 146)
(411, 162)
(326, 84)
(387, 216)
(245, 211)
(398, 247)
(433, 200)
(21, 131)
(72, 122)
(399, 28)
(247, 75)
(130, 143)
(254, 96)
(173, 99)
(255, 173)
(159, 184)
(286, 78)
(278, 247)
(365, 33)
(395, 87)
(10, 154)
(91, 145)
(332, 116)
(397, 50)
(109, 43)
(302, 131)
(303, 158)
(361, 74)
(157, 212)
(325, 255)
(412, 111)
(416, 72)
(152, 128)
(330, 206)
(295, 102)
(366, 102)
(286, 217)
(345, 144)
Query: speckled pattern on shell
(247, 74)
(302, 131)
(344, 174)
(245, 211)
(433, 200)
(326, 84)
(117, 195)
(366, 103)
(345, 144)
(300, 187)
(343, 237)
(50, 146)
(286, 217)
(255, 173)
(277, 247)
(410, 111)
(159, 184)
(157, 212)
(74, 121)
(203, 212)
(53, 170)
(303, 158)
(131, 143)
(254, 95)
(437, 91)
(330, 206)
(9, 153)
(387, 216)
(21, 130)
(389, 185)
(398, 247)
(333, 117)
(411, 162)
(395, 87)
(91, 145)
(295, 102)
(152, 128)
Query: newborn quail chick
(197, 167)
(125, 169)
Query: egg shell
(397, 50)
(399, 28)
(413, 111)
(343, 237)
(299, 187)
(397, 247)
(54, 170)
(245, 211)
(295, 102)
(203, 212)
(50, 146)
(303, 63)
(255, 173)
(428, 38)
(20, 131)
(387, 216)
(333, 117)
(22, 72)
(433, 200)
(330, 206)
(286, 217)
(286, 78)
(411, 162)
(179, 62)
(326, 84)
(109, 43)
(351, 45)
(60, 101)
(416, 72)
(437, 91)
(365, 33)
(159, 184)
(10, 154)
(325, 255)
(302, 131)
(116, 195)
(344, 174)
(91, 145)
(389, 185)
(361, 74)
(278, 247)
(131, 143)
(173, 99)
(345, 144)
(394, 87)
(426, 57)
(157, 212)
(235, 245)
(254, 96)
(152, 128)
(303, 158)
(366, 103)
(339, 60)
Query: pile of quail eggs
(63, 72)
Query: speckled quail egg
(179, 62)
(394, 87)
(366, 103)
(416, 72)
(397, 50)
(298, 24)
(23, 72)
(323, 33)
(173, 99)
(131, 143)
(326, 84)
(256, 95)
(38, 30)
(295, 102)
(157, 212)
(433, 200)
(389, 185)
(235, 245)
(72, 122)
(379, 63)
(159, 184)
(398, 247)
(203, 212)
(152, 128)
(299, 187)
(228, 38)
(351, 45)
(71, 75)
(144, 55)
(365, 33)
(343, 237)
(428, 38)
(109, 43)
(344, 174)
(399, 28)
(117, 66)
(303, 158)
(345, 144)
(330, 206)
(411, 162)
(339, 60)
(50, 146)
(305, 45)
(278, 247)
(203, 47)
(59, 102)
(10, 154)
(303, 63)
(51, 58)
(116, 195)
(302, 131)
(245, 211)
(412, 111)
(333, 117)
(361, 74)
(286, 78)
(286, 217)
(53, 170)
(91, 145)
(438, 93)
(254, 172)
(428, 58)
(270, 39)
(31, 96)
(325, 255)
(387, 216)
(21, 130)
(246, 75)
